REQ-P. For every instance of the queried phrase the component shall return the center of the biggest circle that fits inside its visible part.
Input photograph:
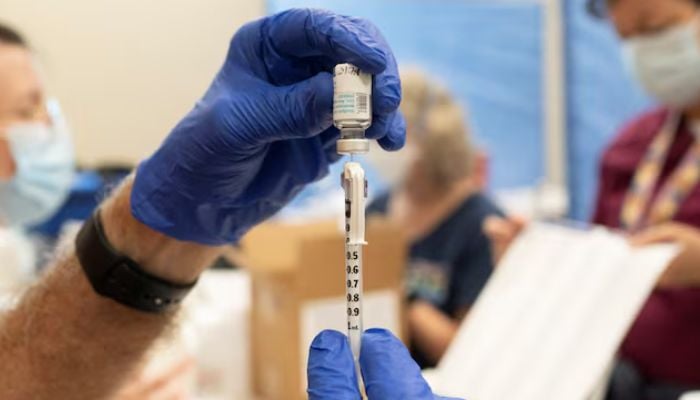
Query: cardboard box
(299, 289)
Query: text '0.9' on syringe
(352, 115)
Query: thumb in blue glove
(388, 370)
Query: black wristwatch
(120, 278)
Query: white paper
(552, 316)
(381, 309)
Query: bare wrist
(167, 258)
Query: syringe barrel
(354, 183)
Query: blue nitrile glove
(388, 370)
(264, 128)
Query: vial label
(351, 104)
(352, 96)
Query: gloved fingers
(389, 130)
(388, 124)
(329, 139)
(331, 369)
(386, 90)
(301, 33)
(380, 126)
(333, 156)
(301, 110)
(388, 370)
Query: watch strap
(120, 278)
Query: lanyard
(640, 208)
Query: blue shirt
(450, 265)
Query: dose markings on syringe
(353, 273)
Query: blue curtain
(601, 97)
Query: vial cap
(353, 146)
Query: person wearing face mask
(649, 187)
(436, 198)
(36, 174)
(36, 158)
(649, 177)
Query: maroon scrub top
(664, 341)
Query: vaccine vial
(352, 107)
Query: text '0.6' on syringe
(352, 115)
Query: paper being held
(551, 318)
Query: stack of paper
(552, 317)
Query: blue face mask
(43, 156)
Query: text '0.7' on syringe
(352, 115)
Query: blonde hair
(438, 127)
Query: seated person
(439, 205)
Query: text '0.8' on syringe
(352, 115)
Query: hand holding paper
(552, 316)
(684, 271)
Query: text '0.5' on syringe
(352, 115)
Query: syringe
(352, 115)
(355, 187)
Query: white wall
(125, 71)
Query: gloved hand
(388, 370)
(263, 129)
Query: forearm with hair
(63, 341)
(431, 330)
